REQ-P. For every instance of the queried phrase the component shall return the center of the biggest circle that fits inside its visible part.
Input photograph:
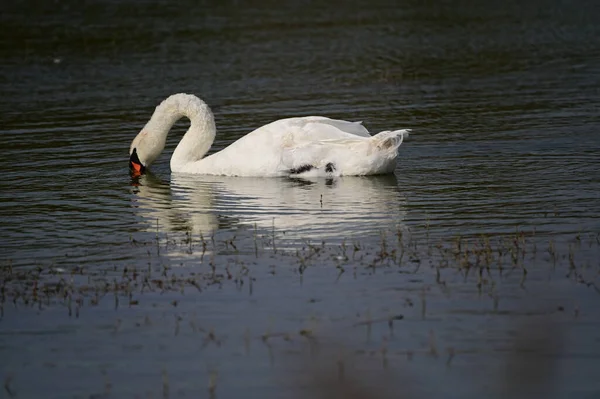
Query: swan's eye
(135, 165)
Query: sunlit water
(503, 103)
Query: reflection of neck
(183, 206)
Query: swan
(298, 147)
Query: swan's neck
(198, 138)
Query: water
(503, 102)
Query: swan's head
(137, 154)
(144, 150)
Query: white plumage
(301, 146)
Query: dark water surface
(503, 100)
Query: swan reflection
(313, 209)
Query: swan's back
(323, 126)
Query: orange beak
(135, 165)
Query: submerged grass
(484, 260)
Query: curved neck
(198, 138)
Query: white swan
(302, 146)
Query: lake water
(441, 280)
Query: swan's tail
(390, 140)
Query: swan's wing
(346, 153)
(313, 141)
(308, 155)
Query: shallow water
(503, 103)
